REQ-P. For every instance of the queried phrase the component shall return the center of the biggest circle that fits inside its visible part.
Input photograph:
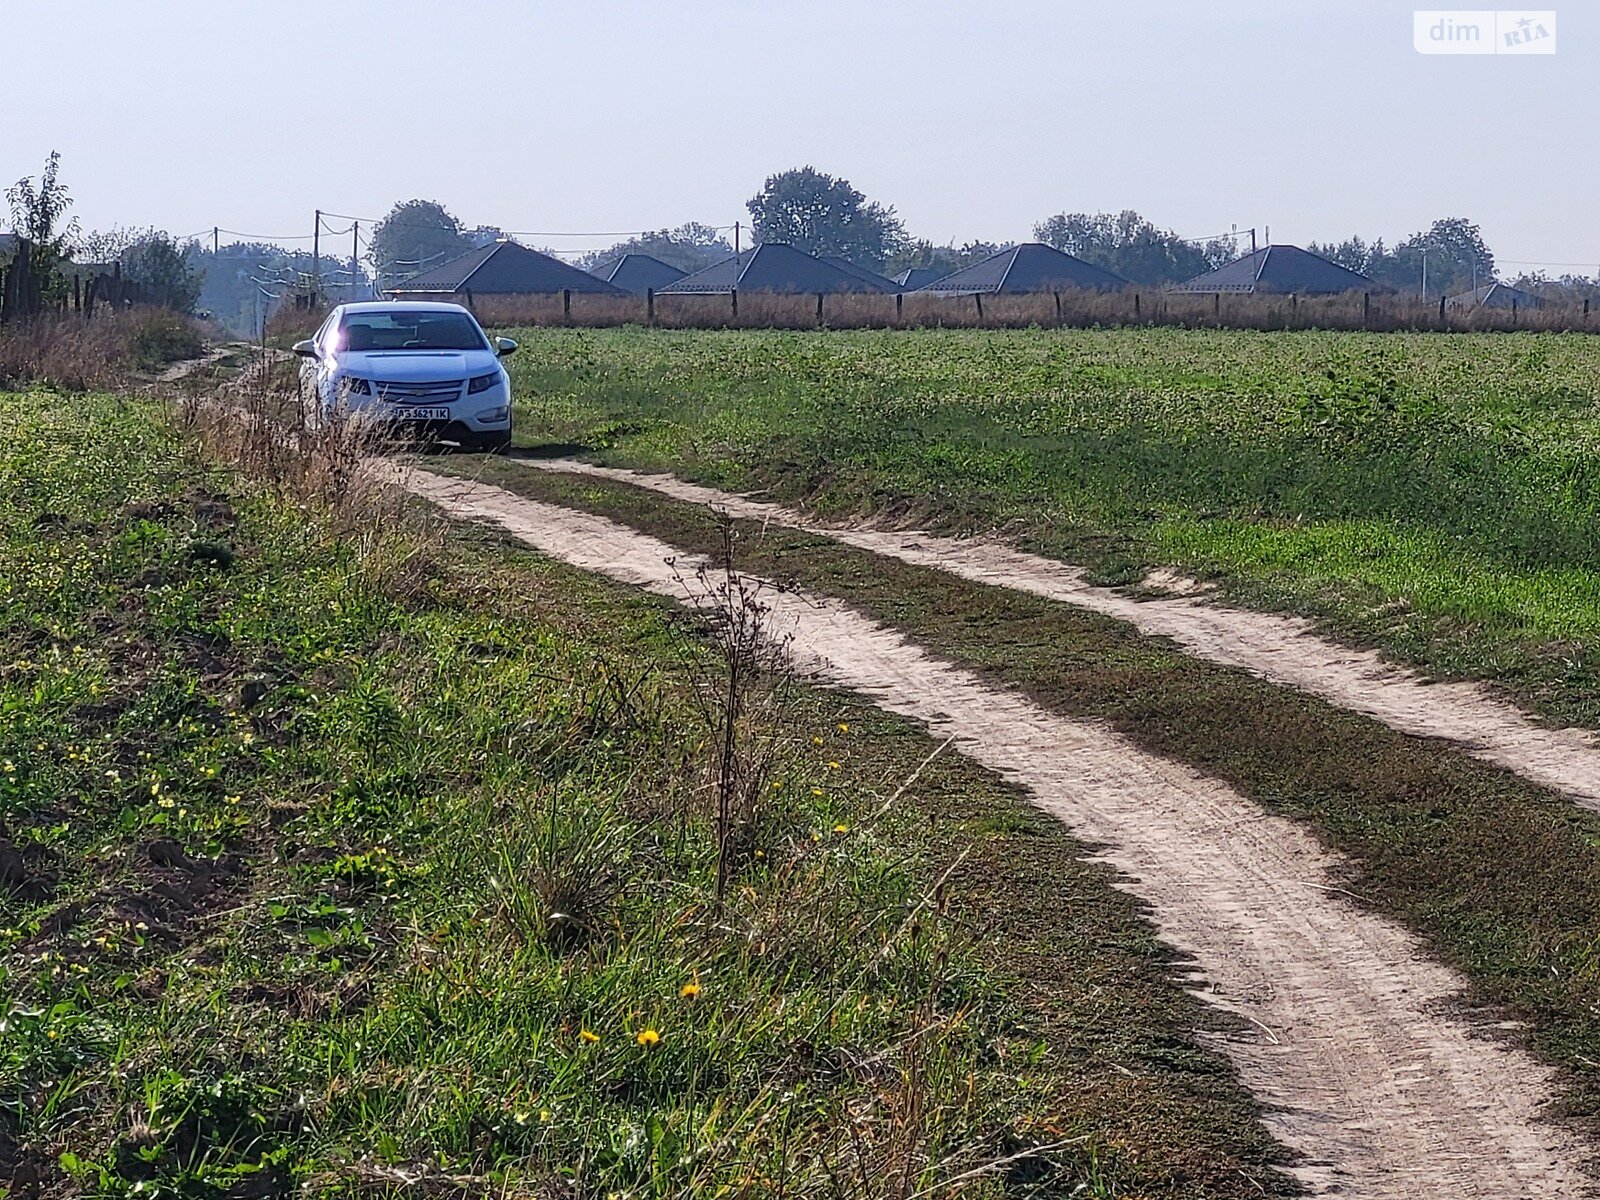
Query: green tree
(38, 210)
(1129, 245)
(1457, 258)
(947, 258)
(158, 262)
(690, 247)
(1353, 253)
(819, 214)
(416, 236)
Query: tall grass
(1377, 312)
(78, 353)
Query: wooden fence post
(77, 292)
(650, 305)
(1513, 310)
(1366, 309)
(978, 299)
(1136, 307)
(1441, 308)
(735, 295)
(1058, 307)
(819, 308)
(900, 301)
(566, 304)
(1216, 305)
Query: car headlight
(482, 383)
(357, 387)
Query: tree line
(816, 212)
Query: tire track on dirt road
(1282, 649)
(1364, 1068)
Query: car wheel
(493, 443)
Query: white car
(420, 367)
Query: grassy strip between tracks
(1501, 878)
(292, 797)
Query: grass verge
(350, 856)
(1499, 877)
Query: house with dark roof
(497, 271)
(638, 273)
(882, 282)
(1281, 270)
(1023, 269)
(1494, 295)
(771, 267)
(918, 277)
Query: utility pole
(1252, 239)
(316, 259)
(355, 256)
(736, 239)
(214, 232)
(1424, 274)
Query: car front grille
(419, 393)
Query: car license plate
(422, 414)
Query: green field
(340, 857)
(1435, 494)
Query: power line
(391, 223)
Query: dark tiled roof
(770, 267)
(638, 273)
(881, 282)
(1495, 295)
(1282, 269)
(505, 269)
(1030, 267)
(919, 277)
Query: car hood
(417, 366)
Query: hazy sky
(975, 118)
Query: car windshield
(410, 330)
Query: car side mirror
(306, 349)
(504, 346)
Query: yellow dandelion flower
(844, 727)
(588, 1036)
(647, 1037)
(817, 741)
(816, 791)
(833, 766)
(777, 785)
(690, 990)
(232, 799)
(841, 828)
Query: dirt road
(1385, 1092)
(1282, 649)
